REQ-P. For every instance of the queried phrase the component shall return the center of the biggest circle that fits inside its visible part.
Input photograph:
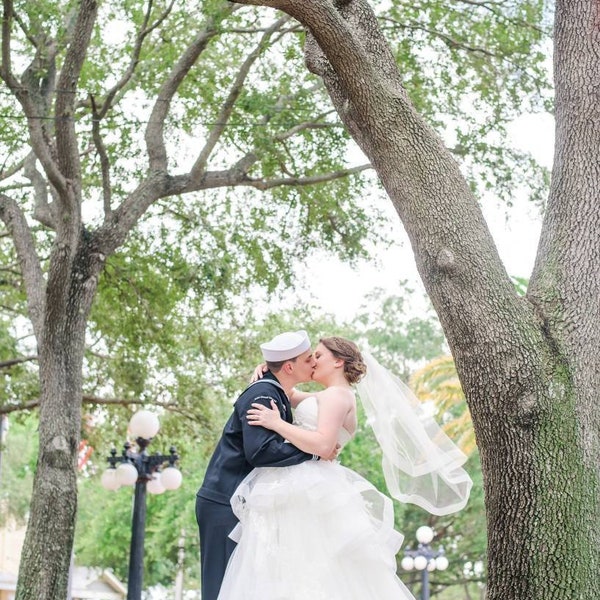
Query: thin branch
(104, 160)
(14, 186)
(143, 32)
(227, 107)
(7, 364)
(26, 30)
(237, 177)
(294, 28)
(97, 400)
(16, 223)
(261, 184)
(497, 9)
(10, 408)
(43, 209)
(449, 41)
(7, 173)
(305, 126)
(155, 142)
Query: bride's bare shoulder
(336, 393)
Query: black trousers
(215, 522)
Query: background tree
(437, 382)
(403, 335)
(88, 178)
(106, 133)
(528, 366)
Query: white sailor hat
(285, 346)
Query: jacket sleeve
(263, 447)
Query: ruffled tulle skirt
(309, 532)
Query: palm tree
(437, 382)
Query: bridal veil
(420, 462)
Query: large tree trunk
(529, 366)
(46, 556)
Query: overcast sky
(342, 290)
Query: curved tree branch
(16, 223)
(155, 142)
(229, 103)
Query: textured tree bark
(528, 366)
(44, 566)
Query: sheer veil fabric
(420, 462)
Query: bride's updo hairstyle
(343, 349)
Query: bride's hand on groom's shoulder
(259, 372)
(259, 414)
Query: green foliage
(470, 69)
(19, 457)
(403, 337)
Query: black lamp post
(147, 473)
(424, 559)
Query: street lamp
(146, 472)
(424, 559)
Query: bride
(319, 530)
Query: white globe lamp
(424, 535)
(420, 563)
(155, 485)
(127, 474)
(171, 478)
(144, 424)
(408, 563)
(109, 480)
(441, 563)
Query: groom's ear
(287, 368)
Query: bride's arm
(333, 407)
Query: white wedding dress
(314, 531)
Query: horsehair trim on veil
(421, 464)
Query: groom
(242, 447)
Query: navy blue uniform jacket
(243, 447)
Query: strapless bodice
(306, 416)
